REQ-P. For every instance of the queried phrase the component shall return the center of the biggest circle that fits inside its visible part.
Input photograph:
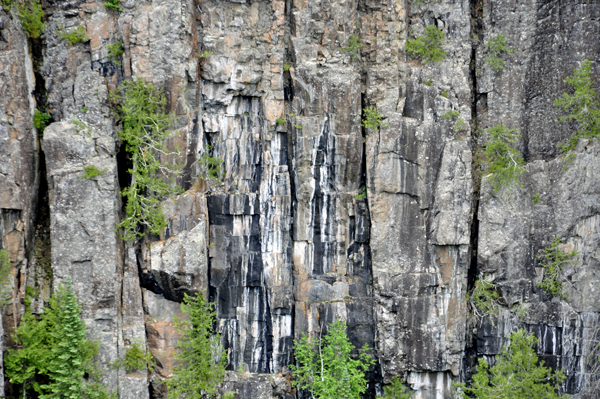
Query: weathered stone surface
(178, 263)
(19, 178)
(419, 189)
(133, 329)
(550, 40)
(288, 243)
(162, 337)
(514, 229)
(259, 386)
(84, 213)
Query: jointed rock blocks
(315, 218)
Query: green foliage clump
(504, 162)
(90, 171)
(53, 358)
(458, 124)
(354, 47)
(517, 374)
(444, 94)
(325, 367)
(298, 126)
(200, 359)
(136, 359)
(498, 48)
(427, 47)
(31, 14)
(145, 128)
(396, 390)
(583, 106)
(428, 82)
(115, 50)
(74, 36)
(5, 278)
(362, 195)
(286, 67)
(228, 395)
(371, 118)
(113, 5)
(205, 54)
(281, 121)
(451, 115)
(211, 168)
(40, 121)
(536, 198)
(553, 261)
(484, 298)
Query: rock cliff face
(317, 218)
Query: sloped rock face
(315, 217)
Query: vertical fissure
(476, 99)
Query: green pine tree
(27, 366)
(72, 352)
(53, 356)
(326, 367)
(200, 360)
(518, 374)
(396, 390)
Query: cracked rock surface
(315, 217)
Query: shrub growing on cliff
(31, 14)
(583, 106)
(40, 121)
(73, 36)
(553, 260)
(325, 368)
(484, 298)
(498, 48)
(504, 163)
(90, 171)
(353, 48)
(53, 357)
(371, 118)
(145, 128)
(428, 46)
(210, 168)
(115, 51)
(396, 390)
(135, 359)
(200, 359)
(517, 374)
(113, 5)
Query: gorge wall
(288, 244)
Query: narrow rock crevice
(476, 30)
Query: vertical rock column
(249, 214)
(553, 197)
(332, 260)
(18, 154)
(84, 213)
(419, 190)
